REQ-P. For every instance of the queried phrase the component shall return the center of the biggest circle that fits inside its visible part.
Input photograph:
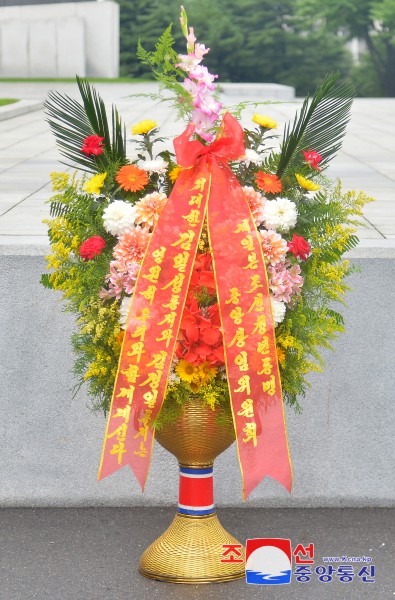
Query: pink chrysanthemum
(274, 247)
(149, 208)
(132, 245)
(255, 201)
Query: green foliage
(162, 63)
(46, 281)
(365, 78)
(72, 122)
(320, 124)
(372, 21)
(250, 40)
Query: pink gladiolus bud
(191, 41)
(184, 21)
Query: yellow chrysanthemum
(174, 173)
(306, 184)
(95, 183)
(280, 355)
(264, 121)
(185, 371)
(143, 127)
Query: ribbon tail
(153, 324)
(248, 330)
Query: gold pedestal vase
(195, 548)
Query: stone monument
(59, 38)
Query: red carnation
(93, 144)
(92, 247)
(299, 247)
(312, 158)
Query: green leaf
(71, 122)
(319, 125)
(45, 281)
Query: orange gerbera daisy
(132, 178)
(268, 182)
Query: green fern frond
(337, 317)
(59, 209)
(72, 122)
(320, 124)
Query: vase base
(190, 551)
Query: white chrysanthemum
(252, 157)
(280, 214)
(119, 217)
(154, 166)
(278, 310)
(124, 311)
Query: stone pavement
(28, 154)
(93, 554)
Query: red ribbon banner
(205, 189)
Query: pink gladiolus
(202, 75)
(203, 123)
(191, 41)
(188, 62)
(207, 103)
(191, 87)
(200, 51)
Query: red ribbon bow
(205, 190)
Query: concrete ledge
(342, 445)
(272, 91)
(38, 245)
(19, 108)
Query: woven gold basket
(191, 550)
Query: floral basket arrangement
(200, 277)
